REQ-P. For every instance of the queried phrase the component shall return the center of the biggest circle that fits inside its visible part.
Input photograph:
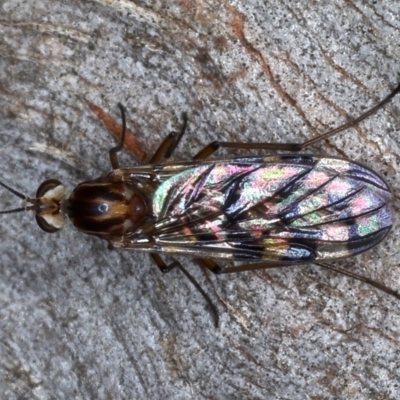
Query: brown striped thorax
(105, 207)
(264, 212)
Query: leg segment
(214, 267)
(170, 143)
(214, 146)
(113, 151)
(360, 278)
(165, 150)
(166, 268)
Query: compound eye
(45, 226)
(46, 186)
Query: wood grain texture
(78, 321)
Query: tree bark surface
(78, 321)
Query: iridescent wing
(286, 209)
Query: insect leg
(360, 278)
(113, 151)
(170, 143)
(166, 268)
(211, 265)
(214, 267)
(214, 146)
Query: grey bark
(78, 321)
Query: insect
(265, 212)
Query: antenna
(18, 194)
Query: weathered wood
(78, 321)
